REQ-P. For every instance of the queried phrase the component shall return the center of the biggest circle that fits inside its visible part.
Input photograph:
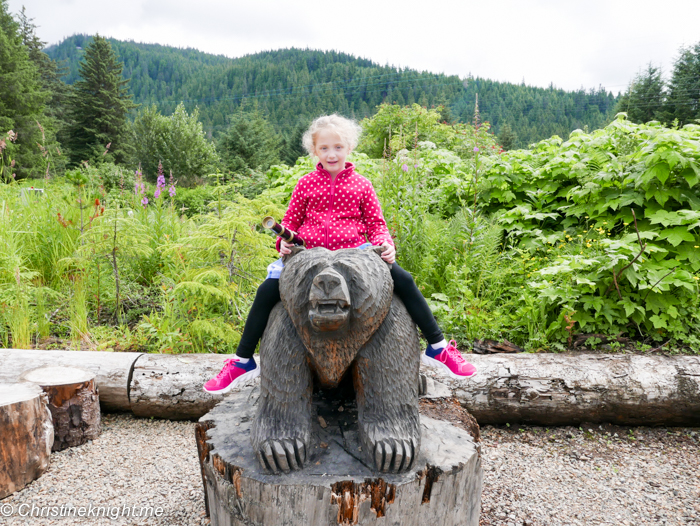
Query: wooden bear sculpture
(338, 313)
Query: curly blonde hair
(348, 130)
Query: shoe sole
(242, 378)
(437, 364)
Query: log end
(26, 435)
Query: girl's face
(331, 151)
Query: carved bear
(338, 312)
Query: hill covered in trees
(291, 86)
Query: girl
(335, 207)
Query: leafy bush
(584, 239)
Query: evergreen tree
(100, 101)
(644, 101)
(291, 148)
(249, 144)
(22, 98)
(177, 141)
(683, 101)
(50, 73)
(507, 138)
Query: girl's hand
(389, 254)
(285, 248)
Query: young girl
(335, 207)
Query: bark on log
(112, 370)
(335, 486)
(73, 401)
(565, 389)
(26, 436)
(547, 389)
(170, 386)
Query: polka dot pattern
(339, 213)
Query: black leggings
(269, 294)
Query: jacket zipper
(330, 208)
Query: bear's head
(336, 300)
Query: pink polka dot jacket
(339, 213)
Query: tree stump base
(26, 436)
(335, 486)
(73, 401)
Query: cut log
(547, 389)
(566, 389)
(26, 436)
(170, 386)
(112, 370)
(73, 401)
(335, 486)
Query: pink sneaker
(448, 360)
(232, 374)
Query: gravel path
(596, 475)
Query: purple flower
(136, 187)
(160, 183)
(156, 194)
(476, 148)
(144, 201)
(405, 168)
(171, 190)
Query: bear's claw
(282, 455)
(394, 455)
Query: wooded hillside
(291, 86)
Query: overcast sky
(570, 44)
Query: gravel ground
(136, 462)
(594, 475)
(602, 475)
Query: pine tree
(507, 138)
(291, 148)
(22, 99)
(683, 101)
(644, 101)
(249, 144)
(177, 141)
(100, 102)
(54, 124)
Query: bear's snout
(330, 301)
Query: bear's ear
(378, 250)
(294, 251)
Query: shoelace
(227, 365)
(454, 353)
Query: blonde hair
(348, 130)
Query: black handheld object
(287, 235)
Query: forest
(291, 86)
(128, 226)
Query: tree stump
(112, 370)
(73, 401)
(335, 486)
(26, 436)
